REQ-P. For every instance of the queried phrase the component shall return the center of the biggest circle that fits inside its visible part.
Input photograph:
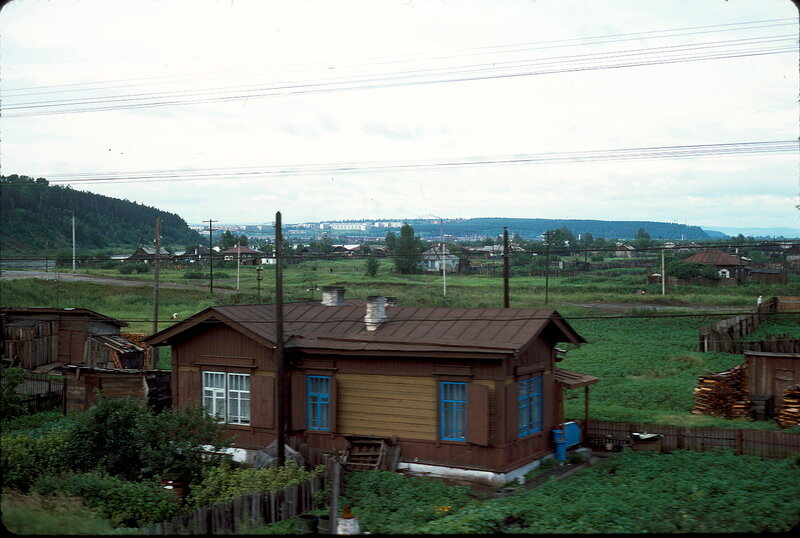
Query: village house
(148, 255)
(434, 259)
(245, 255)
(463, 392)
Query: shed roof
(315, 328)
(55, 313)
(573, 380)
(714, 256)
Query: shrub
(10, 402)
(194, 275)
(24, 458)
(125, 503)
(123, 438)
(134, 267)
(224, 483)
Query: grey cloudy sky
(351, 109)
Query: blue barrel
(561, 444)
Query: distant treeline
(531, 228)
(36, 215)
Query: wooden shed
(83, 386)
(466, 388)
(770, 374)
(34, 337)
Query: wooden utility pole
(505, 267)
(280, 367)
(547, 267)
(156, 278)
(663, 274)
(210, 257)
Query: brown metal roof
(314, 327)
(573, 380)
(714, 256)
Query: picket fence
(243, 513)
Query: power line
(775, 147)
(758, 46)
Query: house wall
(383, 396)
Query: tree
(391, 241)
(227, 240)
(408, 250)
(371, 266)
(242, 240)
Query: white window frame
(226, 396)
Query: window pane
(453, 410)
(530, 406)
(318, 402)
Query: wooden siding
(81, 389)
(771, 375)
(219, 344)
(405, 406)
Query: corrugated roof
(313, 326)
(78, 312)
(714, 256)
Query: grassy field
(646, 358)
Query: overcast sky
(301, 106)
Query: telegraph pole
(280, 367)
(211, 257)
(156, 276)
(663, 274)
(547, 267)
(505, 267)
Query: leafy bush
(223, 483)
(123, 438)
(24, 458)
(10, 402)
(196, 275)
(125, 503)
(134, 267)
(220, 275)
(390, 503)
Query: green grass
(54, 515)
(648, 366)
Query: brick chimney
(376, 311)
(333, 295)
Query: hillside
(36, 215)
(531, 228)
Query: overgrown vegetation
(635, 492)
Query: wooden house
(148, 255)
(465, 390)
(245, 254)
(34, 337)
(728, 265)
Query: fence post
(739, 442)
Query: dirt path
(79, 277)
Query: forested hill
(531, 228)
(36, 215)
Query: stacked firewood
(135, 338)
(723, 394)
(789, 415)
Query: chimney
(376, 311)
(391, 301)
(333, 295)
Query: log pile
(789, 415)
(723, 394)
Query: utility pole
(238, 263)
(210, 257)
(444, 260)
(505, 267)
(280, 367)
(73, 238)
(259, 270)
(663, 274)
(156, 277)
(547, 267)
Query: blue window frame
(530, 406)
(453, 411)
(318, 398)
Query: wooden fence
(41, 392)
(726, 336)
(243, 513)
(763, 443)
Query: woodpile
(789, 415)
(723, 394)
